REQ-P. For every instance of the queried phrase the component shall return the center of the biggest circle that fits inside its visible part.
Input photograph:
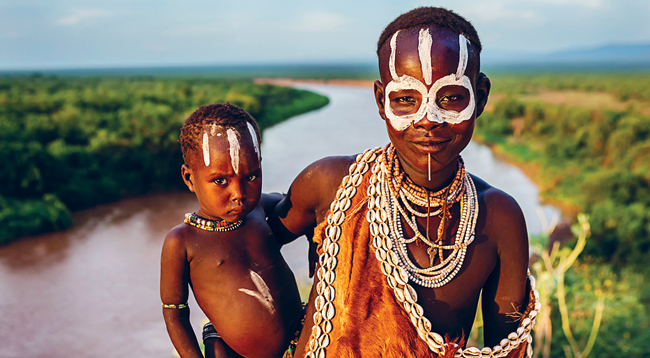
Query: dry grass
(589, 100)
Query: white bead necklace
(436, 275)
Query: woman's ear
(379, 99)
(483, 86)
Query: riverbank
(70, 143)
(92, 290)
(333, 82)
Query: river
(92, 290)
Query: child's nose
(238, 192)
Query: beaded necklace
(211, 225)
(393, 184)
(391, 265)
(404, 194)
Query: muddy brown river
(92, 291)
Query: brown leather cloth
(369, 321)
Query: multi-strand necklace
(385, 241)
(404, 197)
(211, 225)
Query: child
(225, 251)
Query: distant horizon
(77, 34)
(489, 58)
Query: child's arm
(174, 280)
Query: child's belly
(255, 313)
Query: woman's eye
(221, 181)
(405, 100)
(450, 98)
(251, 177)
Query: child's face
(429, 95)
(226, 175)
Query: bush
(72, 143)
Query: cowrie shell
(344, 204)
(353, 167)
(356, 178)
(329, 311)
(331, 263)
(472, 352)
(318, 318)
(340, 194)
(327, 327)
(315, 331)
(329, 277)
(319, 303)
(324, 340)
(333, 249)
(386, 269)
(381, 254)
(391, 281)
(410, 294)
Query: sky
(61, 34)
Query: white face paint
(206, 148)
(233, 140)
(428, 105)
(251, 130)
(263, 293)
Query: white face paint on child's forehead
(233, 141)
(428, 105)
(206, 148)
(251, 130)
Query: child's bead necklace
(211, 225)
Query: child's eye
(251, 177)
(221, 181)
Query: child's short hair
(224, 114)
(436, 16)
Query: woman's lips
(432, 146)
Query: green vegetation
(585, 139)
(71, 143)
(593, 160)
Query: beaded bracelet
(178, 306)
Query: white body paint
(263, 293)
(206, 148)
(428, 106)
(233, 140)
(251, 130)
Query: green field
(584, 138)
(69, 143)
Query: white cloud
(83, 15)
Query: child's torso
(244, 286)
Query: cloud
(83, 15)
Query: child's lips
(236, 211)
